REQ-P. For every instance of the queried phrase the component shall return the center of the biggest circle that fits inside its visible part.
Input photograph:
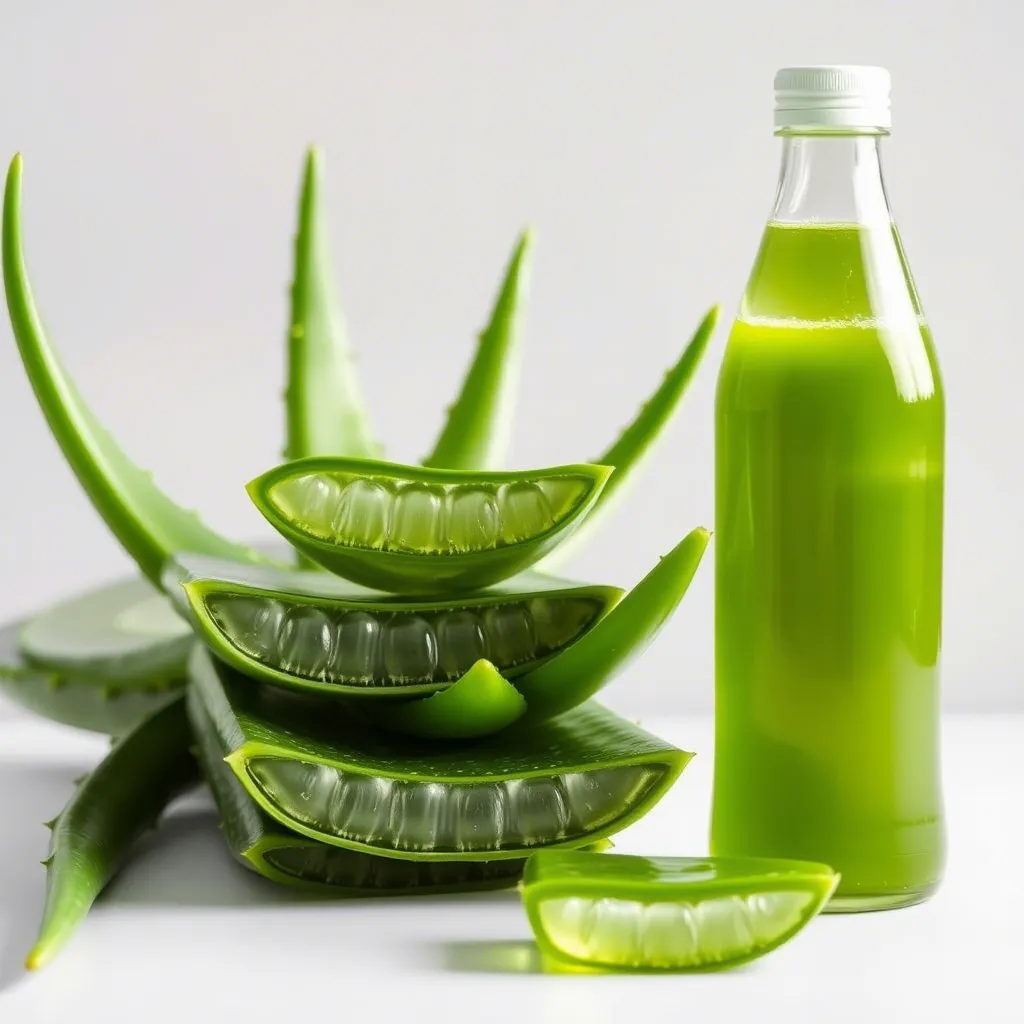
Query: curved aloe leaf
(623, 634)
(481, 703)
(100, 702)
(479, 423)
(628, 454)
(317, 633)
(668, 913)
(148, 524)
(285, 857)
(325, 411)
(412, 530)
(325, 774)
(115, 804)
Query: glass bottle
(829, 439)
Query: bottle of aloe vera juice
(829, 438)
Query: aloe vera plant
(567, 782)
(97, 703)
(486, 747)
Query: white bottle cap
(832, 96)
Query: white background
(162, 149)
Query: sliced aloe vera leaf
(117, 634)
(83, 701)
(266, 847)
(676, 913)
(118, 801)
(323, 773)
(313, 631)
(480, 704)
(578, 672)
(325, 411)
(148, 524)
(479, 424)
(423, 531)
(628, 455)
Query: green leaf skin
(261, 726)
(479, 424)
(430, 570)
(120, 634)
(661, 893)
(578, 672)
(325, 411)
(148, 524)
(480, 704)
(628, 455)
(113, 807)
(199, 583)
(97, 703)
(283, 856)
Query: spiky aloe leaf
(578, 672)
(629, 452)
(325, 411)
(149, 525)
(479, 423)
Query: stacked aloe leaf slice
(398, 697)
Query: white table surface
(185, 935)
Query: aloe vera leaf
(148, 524)
(480, 704)
(479, 424)
(583, 668)
(629, 453)
(325, 411)
(115, 804)
(95, 702)
(117, 634)
(675, 913)
(325, 774)
(285, 857)
(318, 633)
(424, 531)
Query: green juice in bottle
(829, 442)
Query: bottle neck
(831, 179)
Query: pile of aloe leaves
(396, 699)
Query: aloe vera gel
(829, 492)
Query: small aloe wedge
(312, 631)
(118, 634)
(583, 668)
(114, 805)
(113, 706)
(629, 452)
(476, 432)
(324, 774)
(326, 414)
(480, 704)
(148, 524)
(266, 847)
(424, 531)
(670, 913)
